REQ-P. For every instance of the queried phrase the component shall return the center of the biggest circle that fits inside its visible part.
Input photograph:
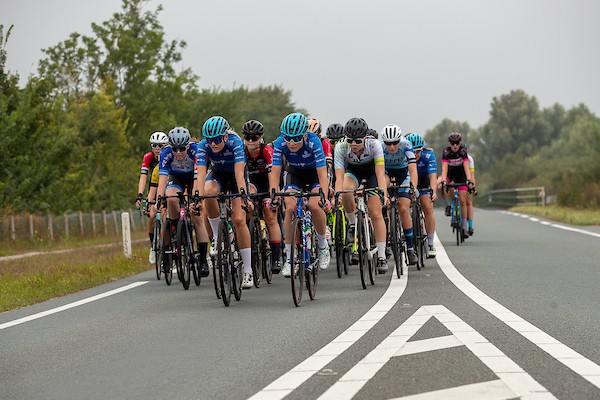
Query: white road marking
(516, 382)
(70, 305)
(582, 366)
(491, 390)
(44, 253)
(559, 226)
(289, 381)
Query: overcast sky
(409, 62)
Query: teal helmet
(215, 126)
(415, 139)
(294, 124)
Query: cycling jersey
(400, 159)
(344, 156)
(425, 166)
(327, 149)
(309, 156)
(170, 165)
(232, 153)
(471, 163)
(259, 167)
(455, 161)
(154, 178)
(148, 163)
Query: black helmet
(454, 137)
(356, 128)
(373, 132)
(253, 127)
(335, 131)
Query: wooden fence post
(114, 213)
(50, 228)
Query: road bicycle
(365, 237)
(259, 241)
(183, 247)
(156, 245)
(304, 261)
(455, 211)
(341, 247)
(396, 239)
(419, 232)
(227, 265)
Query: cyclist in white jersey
(361, 157)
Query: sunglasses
(454, 143)
(418, 151)
(334, 141)
(395, 142)
(215, 140)
(355, 140)
(179, 149)
(293, 139)
(251, 138)
(157, 145)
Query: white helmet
(391, 133)
(159, 138)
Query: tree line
(524, 145)
(73, 137)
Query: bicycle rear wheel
(195, 254)
(422, 244)
(372, 260)
(363, 248)
(157, 248)
(215, 274)
(312, 277)
(225, 263)
(255, 246)
(184, 257)
(339, 242)
(457, 221)
(168, 255)
(297, 262)
(417, 234)
(267, 267)
(395, 241)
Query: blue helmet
(415, 139)
(215, 126)
(294, 124)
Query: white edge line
(554, 225)
(292, 379)
(582, 366)
(70, 305)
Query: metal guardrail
(506, 198)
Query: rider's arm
(323, 181)
(414, 177)
(274, 175)
(199, 182)
(380, 173)
(240, 179)
(142, 183)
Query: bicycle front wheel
(417, 234)
(395, 241)
(339, 242)
(372, 260)
(297, 262)
(157, 248)
(255, 246)
(363, 260)
(312, 276)
(184, 256)
(225, 263)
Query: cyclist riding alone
(225, 150)
(176, 174)
(305, 170)
(427, 171)
(400, 163)
(455, 169)
(150, 161)
(259, 160)
(361, 157)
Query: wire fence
(55, 227)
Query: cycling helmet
(356, 128)
(373, 133)
(391, 133)
(159, 138)
(416, 140)
(314, 126)
(215, 126)
(253, 127)
(179, 137)
(454, 137)
(335, 131)
(294, 124)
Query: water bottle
(306, 229)
(263, 229)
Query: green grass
(567, 215)
(41, 278)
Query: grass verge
(567, 215)
(35, 279)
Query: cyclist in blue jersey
(305, 169)
(401, 164)
(225, 150)
(427, 170)
(176, 174)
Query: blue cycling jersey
(232, 153)
(169, 164)
(427, 163)
(401, 158)
(309, 156)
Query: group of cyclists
(304, 157)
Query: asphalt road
(424, 333)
